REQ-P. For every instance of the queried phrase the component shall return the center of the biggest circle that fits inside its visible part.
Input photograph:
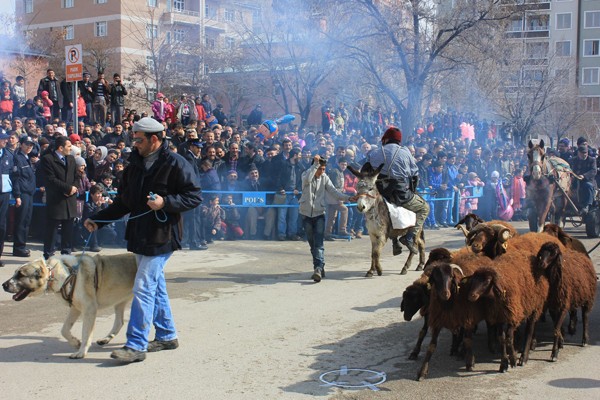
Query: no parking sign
(73, 62)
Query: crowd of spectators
(229, 158)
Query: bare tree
(403, 45)
(292, 49)
(169, 62)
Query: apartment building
(167, 36)
(562, 38)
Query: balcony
(215, 23)
(175, 16)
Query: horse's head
(536, 155)
(366, 189)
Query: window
(537, 23)
(100, 1)
(563, 21)
(210, 43)
(533, 76)
(590, 76)
(179, 5)
(28, 6)
(590, 104)
(151, 31)
(152, 3)
(229, 15)
(67, 3)
(151, 94)
(591, 47)
(563, 49)
(100, 30)
(562, 76)
(515, 25)
(256, 22)
(69, 32)
(150, 64)
(179, 65)
(229, 43)
(536, 50)
(592, 19)
(178, 35)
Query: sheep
(450, 308)
(566, 239)
(416, 299)
(490, 238)
(513, 291)
(468, 222)
(469, 262)
(572, 280)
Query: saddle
(560, 170)
(401, 217)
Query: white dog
(98, 282)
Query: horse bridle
(367, 194)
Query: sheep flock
(503, 280)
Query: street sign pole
(74, 73)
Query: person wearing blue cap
(193, 229)
(156, 187)
(24, 189)
(564, 149)
(7, 171)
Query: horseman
(584, 166)
(397, 183)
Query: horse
(378, 220)
(544, 187)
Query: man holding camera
(315, 183)
(117, 99)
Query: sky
(8, 8)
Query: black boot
(396, 248)
(409, 241)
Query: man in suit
(58, 169)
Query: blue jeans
(150, 303)
(315, 231)
(287, 217)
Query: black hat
(252, 168)
(582, 149)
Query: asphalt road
(252, 325)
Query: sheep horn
(454, 266)
(463, 229)
(504, 234)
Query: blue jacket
(7, 171)
(24, 182)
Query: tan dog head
(30, 278)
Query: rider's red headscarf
(392, 133)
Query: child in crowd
(47, 104)
(231, 224)
(95, 203)
(518, 195)
(213, 216)
(106, 184)
(471, 204)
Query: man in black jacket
(59, 177)
(50, 84)
(157, 186)
(117, 99)
(23, 188)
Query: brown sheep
(490, 238)
(450, 308)
(416, 299)
(468, 222)
(566, 239)
(514, 291)
(572, 280)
